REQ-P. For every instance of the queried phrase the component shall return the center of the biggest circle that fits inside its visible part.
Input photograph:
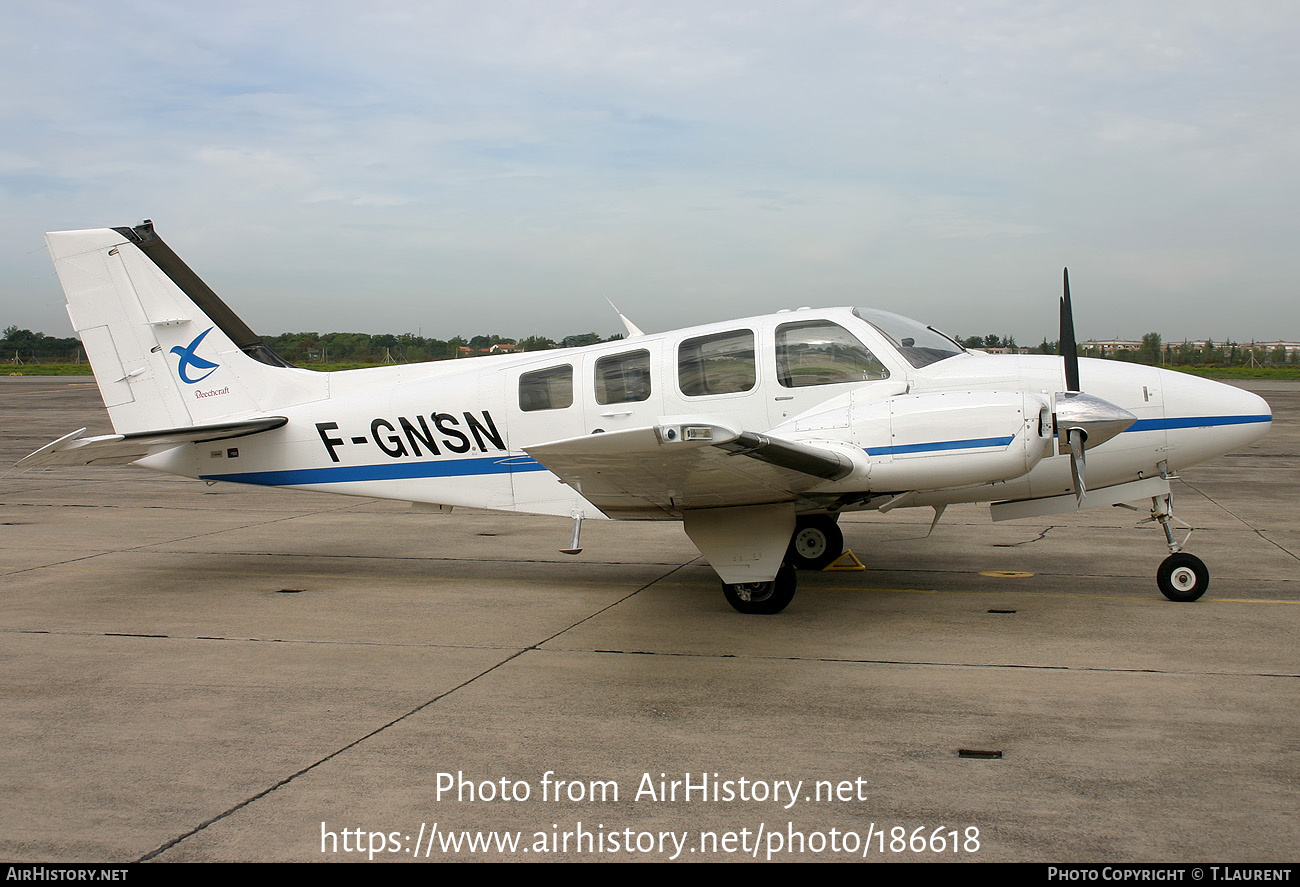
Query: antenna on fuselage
(632, 329)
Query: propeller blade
(1078, 463)
(1069, 350)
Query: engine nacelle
(938, 440)
(952, 438)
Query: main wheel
(816, 543)
(763, 598)
(1182, 577)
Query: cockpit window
(818, 352)
(919, 345)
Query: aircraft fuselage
(456, 432)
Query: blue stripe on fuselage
(940, 445)
(339, 474)
(1139, 425)
(1194, 422)
(336, 474)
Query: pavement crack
(923, 663)
(1039, 538)
(1254, 529)
(152, 854)
(610, 606)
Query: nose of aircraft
(1204, 418)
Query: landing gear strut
(763, 598)
(816, 543)
(1182, 577)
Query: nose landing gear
(1182, 577)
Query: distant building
(1270, 347)
(1265, 350)
(1288, 347)
(1111, 346)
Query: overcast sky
(463, 168)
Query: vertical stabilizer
(166, 351)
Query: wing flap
(121, 449)
(663, 470)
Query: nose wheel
(1183, 577)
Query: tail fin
(166, 351)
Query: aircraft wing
(120, 449)
(647, 472)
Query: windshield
(919, 345)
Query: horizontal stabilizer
(120, 449)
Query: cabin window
(623, 378)
(717, 364)
(818, 352)
(548, 389)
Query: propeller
(1078, 463)
(1069, 350)
(1075, 437)
(1082, 420)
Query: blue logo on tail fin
(189, 359)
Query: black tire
(1183, 577)
(763, 598)
(816, 544)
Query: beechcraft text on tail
(756, 433)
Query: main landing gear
(1182, 576)
(763, 598)
(814, 545)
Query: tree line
(1155, 352)
(304, 349)
(25, 346)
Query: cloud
(703, 161)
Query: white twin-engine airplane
(756, 433)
